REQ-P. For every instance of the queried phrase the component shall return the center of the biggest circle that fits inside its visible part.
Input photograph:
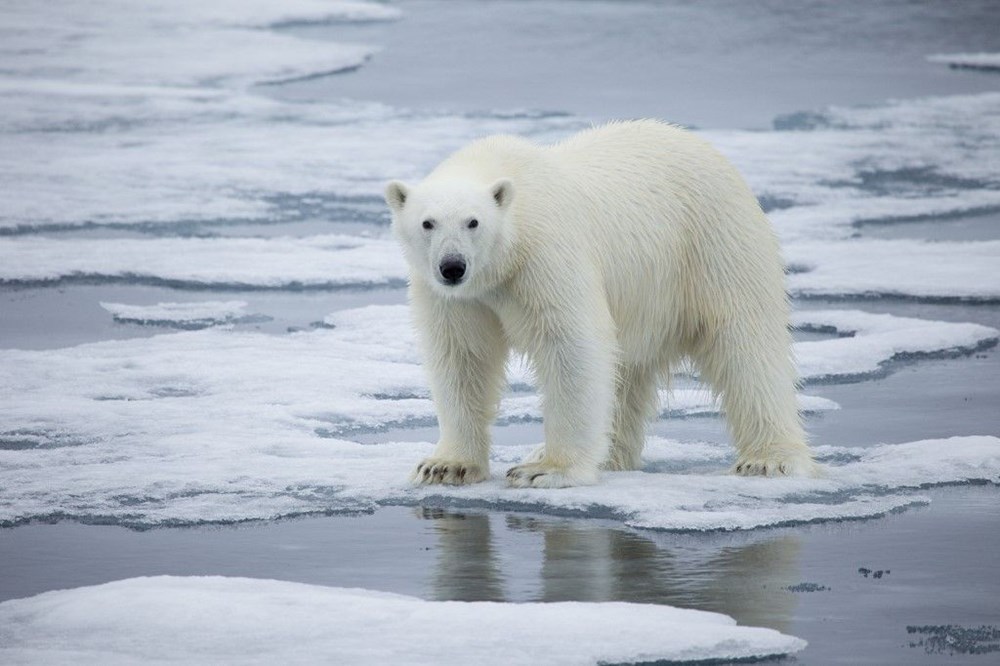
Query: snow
(898, 268)
(99, 131)
(905, 159)
(220, 425)
(332, 260)
(870, 341)
(212, 44)
(195, 314)
(860, 267)
(239, 620)
(988, 61)
(117, 116)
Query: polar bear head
(455, 234)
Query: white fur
(607, 259)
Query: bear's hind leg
(752, 368)
(635, 404)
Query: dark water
(851, 589)
(714, 63)
(856, 587)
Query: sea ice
(868, 342)
(265, 263)
(194, 314)
(905, 159)
(221, 425)
(99, 130)
(241, 620)
(899, 268)
(158, 115)
(858, 268)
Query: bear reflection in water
(742, 575)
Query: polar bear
(606, 259)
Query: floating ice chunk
(239, 619)
(674, 493)
(902, 268)
(220, 425)
(869, 341)
(317, 261)
(903, 159)
(176, 43)
(191, 315)
(990, 61)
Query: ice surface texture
(221, 425)
(190, 315)
(99, 130)
(850, 268)
(223, 620)
(327, 261)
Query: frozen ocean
(211, 396)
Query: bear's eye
(428, 225)
(473, 223)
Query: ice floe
(156, 116)
(189, 315)
(833, 168)
(221, 425)
(187, 43)
(962, 271)
(99, 130)
(241, 620)
(943, 271)
(868, 342)
(327, 261)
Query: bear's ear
(503, 192)
(396, 194)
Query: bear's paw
(547, 475)
(778, 464)
(441, 471)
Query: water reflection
(467, 567)
(743, 576)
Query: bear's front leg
(465, 352)
(574, 357)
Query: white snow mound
(250, 621)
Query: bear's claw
(435, 471)
(541, 475)
(801, 466)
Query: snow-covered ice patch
(221, 425)
(868, 342)
(210, 43)
(187, 315)
(901, 268)
(851, 268)
(988, 61)
(905, 159)
(153, 114)
(241, 620)
(328, 261)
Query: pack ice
(239, 620)
(221, 425)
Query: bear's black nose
(452, 269)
